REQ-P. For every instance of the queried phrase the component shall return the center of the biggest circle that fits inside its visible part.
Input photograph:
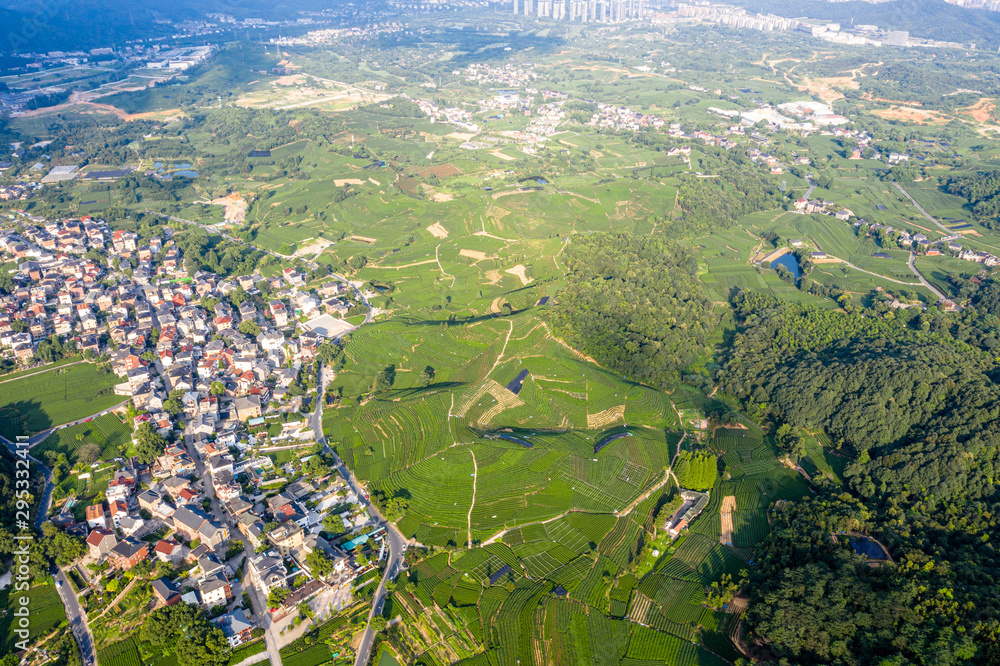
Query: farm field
(31, 404)
(46, 610)
(108, 432)
(540, 488)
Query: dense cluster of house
(174, 338)
(920, 243)
(296, 515)
(503, 75)
(19, 191)
(62, 289)
(823, 207)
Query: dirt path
(501, 533)
(577, 352)
(668, 474)
(555, 257)
(502, 351)
(118, 599)
(475, 475)
(77, 100)
(878, 275)
(396, 268)
(441, 268)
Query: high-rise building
(527, 8)
(515, 7)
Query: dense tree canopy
(198, 641)
(982, 191)
(815, 602)
(635, 305)
(916, 409)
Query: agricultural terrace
(46, 610)
(33, 403)
(109, 432)
(589, 582)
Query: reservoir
(789, 261)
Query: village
(219, 380)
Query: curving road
(395, 539)
(361, 297)
(74, 614)
(43, 506)
(845, 262)
(923, 280)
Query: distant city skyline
(582, 11)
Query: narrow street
(76, 617)
(259, 605)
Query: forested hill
(635, 305)
(916, 409)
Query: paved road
(845, 262)
(74, 614)
(812, 186)
(923, 280)
(361, 297)
(77, 618)
(921, 209)
(396, 541)
(43, 507)
(38, 438)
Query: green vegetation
(247, 650)
(46, 612)
(106, 435)
(552, 318)
(696, 471)
(31, 404)
(635, 305)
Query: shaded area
(608, 440)
(517, 383)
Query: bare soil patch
(726, 514)
(981, 111)
(919, 116)
(606, 417)
(518, 271)
(493, 277)
(235, 208)
(340, 182)
(437, 230)
(441, 171)
(473, 254)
